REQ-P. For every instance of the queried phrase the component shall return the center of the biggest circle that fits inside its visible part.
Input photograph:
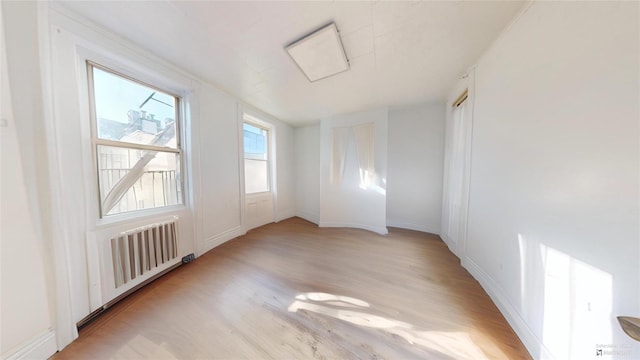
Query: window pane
(123, 188)
(255, 142)
(132, 112)
(256, 176)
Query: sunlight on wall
(358, 142)
(455, 344)
(371, 185)
(353, 162)
(573, 299)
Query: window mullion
(128, 145)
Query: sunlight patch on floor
(317, 296)
(141, 347)
(456, 344)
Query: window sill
(139, 215)
(255, 194)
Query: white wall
(553, 214)
(414, 168)
(307, 170)
(217, 173)
(24, 298)
(346, 204)
(73, 41)
(285, 170)
(211, 214)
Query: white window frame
(96, 142)
(250, 120)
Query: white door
(258, 172)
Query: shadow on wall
(569, 305)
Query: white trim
(314, 218)
(466, 180)
(96, 37)
(94, 271)
(411, 226)
(266, 122)
(451, 245)
(535, 347)
(283, 215)
(63, 322)
(240, 122)
(193, 166)
(190, 100)
(222, 238)
(110, 292)
(375, 229)
(465, 83)
(111, 60)
(41, 347)
(261, 116)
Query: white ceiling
(401, 52)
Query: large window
(137, 143)
(256, 159)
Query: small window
(256, 159)
(137, 143)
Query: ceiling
(400, 52)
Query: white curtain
(364, 137)
(340, 143)
(365, 140)
(456, 171)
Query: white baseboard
(256, 223)
(453, 247)
(412, 226)
(535, 347)
(221, 238)
(314, 218)
(283, 215)
(380, 230)
(42, 347)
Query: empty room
(320, 180)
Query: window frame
(246, 119)
(96, 141)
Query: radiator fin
(141, 250)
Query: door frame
(465, 83)
(258, 119)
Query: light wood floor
(295, 291)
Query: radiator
(138, 251)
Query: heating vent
(141, 250)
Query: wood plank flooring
(295, 291)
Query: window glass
(131, 112)
(256, 159)
(137, 147)
(256, 176)
(255, 142)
